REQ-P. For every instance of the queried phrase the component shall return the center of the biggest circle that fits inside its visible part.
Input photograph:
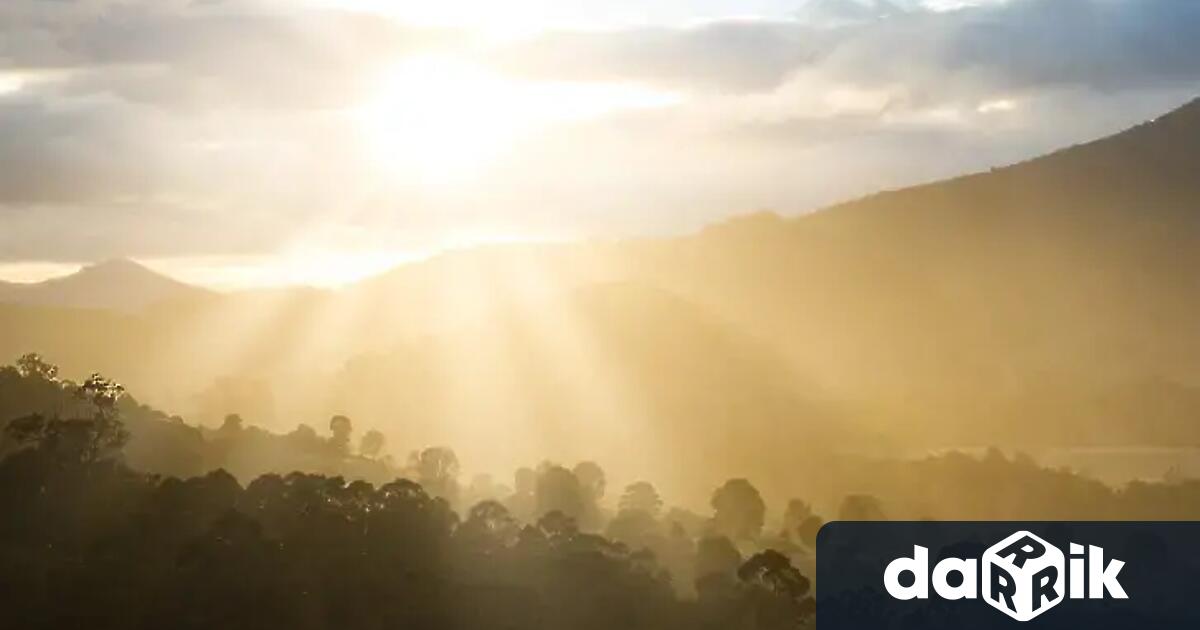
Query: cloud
(180, 128)
(1029, 44)
(183, 53)
(98, 231)
(727, 55)
(1014, 45)
(177, 126)
(833, 13)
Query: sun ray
(602, 415)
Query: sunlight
(523, 374)
(25, 272)
(334, 269)
(312, 268)
(996, 106)
(20, 81)
(10, 82)
(441, 118)
(603, 415)
(494, 19)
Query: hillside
(952, 304)
(117, 284)
(1049, 303)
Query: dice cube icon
(1023, 576)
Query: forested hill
(1046, 304)
(88, 540)
(1033, 294)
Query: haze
(546, 315)
(248, 143)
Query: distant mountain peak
(116, 283)
(116, 263)
(122, 271)
(119, 267)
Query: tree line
(350, 537)
(87, 540)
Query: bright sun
(440, 118)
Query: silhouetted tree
(340, 429)
(80, 439)
(558, 490)
(808, 529)
(232, 425)
(861, 507)
(635, 528)
(591, 478)
(592, 483)
(86, 541)
(371, 444)
(33, 365)
(523, 501)
(488, 527)
(555, 525)
(436, 469)
(773, 571)
(739, 511)
(778, 591)
(640, 496)
(797, 510)
(717, 555)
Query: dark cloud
(232, 53)
(1016, 45)
(78, 152)
(1105, 45)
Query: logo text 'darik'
(1023, 576)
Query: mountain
(1045, 304)
(117, 284)
(616, 372)
(992, 303)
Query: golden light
(997, 106)
(310, 267)
(10, 82)
(440, 118)
(25, 272)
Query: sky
(239, 143)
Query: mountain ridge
(119, 284)
(1185, 118)
(978, 310)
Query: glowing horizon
(271, 143)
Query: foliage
(126, 518)
(371, 444)
(739, 510)
(310, 551)
(641, 497)
(80, 439)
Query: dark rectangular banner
(982, 575)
